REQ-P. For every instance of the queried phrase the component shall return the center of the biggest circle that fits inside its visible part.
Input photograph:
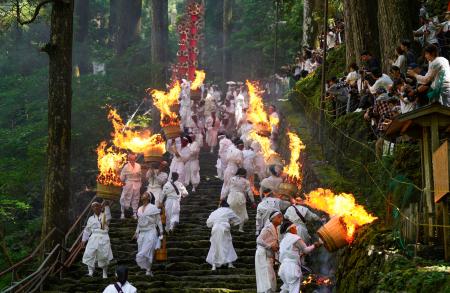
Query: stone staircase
(186, 269)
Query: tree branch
(35, 14)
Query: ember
(109, 162)
(342, 205)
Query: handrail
(34, 281)
(32, 255)
(35, 273)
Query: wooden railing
(60, 257)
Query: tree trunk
(81, 32)
(128, 24)
(394, 28)
(113, 20)
(57, 186)
(311, 8)
(159, 48)
(364, 29)
(226, 30)
(348, 23)
(213, 37)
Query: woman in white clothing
(291, 249)
(221, 250)
(122, 285)
(236, 192)
(148, 232)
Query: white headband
(274, 215)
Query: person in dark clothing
(406, 47)
(369, 61)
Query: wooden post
(428, 172)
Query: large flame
(294, 169)
(342, 205)
(164, 101)
(255, 112)
(265, 144)
(200, 76)
(109, 162)
(137, 141)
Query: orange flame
(200, 76)
(342, 205)
(293, 170)
(265, 144)
(255, 112)
(274, 121)
(164, 101)
(134, 140)
(108, 163)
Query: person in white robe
(172, 193)
(249, 165)
(148, 233)
(239, 107)
(212, 125)
(236, 193)
(95, 234)
(267, 248)
(210, 103)
(273, 181)
(300, 216)
(181, 156)
(131, 175)
(274, 123)
(122, 284)
(260, 163)
(292, 247)
(234, 160)
(156, 178)
(221, 250)
(221, 165)
(185, 103)
(267, 206)
(244, 131)
(192, 166)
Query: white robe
(249, 162)
(221, 250)
(155, 184)
(172, 205)
(98, 248)
(271, 183)
(178, 162)
(126, 288)
(290, 269)
(212, 128)
(263, 211)
(224, 144)
(210, 104)
(309, 216)
(192, 166)
(245, 131)
(234, 160)
(148, 238)
(131, 192)
(266, 279)
(235, 193)
(260, 163)
(239, 108)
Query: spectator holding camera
(382, 81)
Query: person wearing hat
(171, 195)
(267, 205)
(131, 176)
(267, 249)
(192, 166)
(221, 250)
(156, 178)
(122, 285)
(212, 125)
(96, 239)
(148, 233)
(236, 192)
(292, 247)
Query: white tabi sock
(105, 272)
